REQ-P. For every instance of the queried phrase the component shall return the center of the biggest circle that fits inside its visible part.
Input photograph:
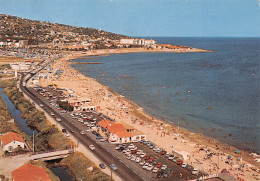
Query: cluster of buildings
(138, 41)
(14, 43)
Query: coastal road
(106, 156)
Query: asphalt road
(108, 158)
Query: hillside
(13, 29)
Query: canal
(59, 171)
(16, 114)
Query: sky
(172, 18)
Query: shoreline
(150, 124)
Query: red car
(158, 165)
(151, 159)
(133, 151)
(179, 162)
(163, 152)
(147, 157)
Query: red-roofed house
(11, 140)
(104, 124)
(118, 134)
(29, 172)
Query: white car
(195, 171)
(82, 132)
(163, 167)
(92, 147)
(155, 169)
(143, 155)
(138, 159)
(139, 152)
(133, 158)
(141, 162)
(58, 119)
(52, 114)
(128, 157)
(145, 165)
(183, 165)
(131, 146)
(150, 167)
(171, 157)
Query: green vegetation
(5, 66)
(78, 164)
(65, 105)
(49, 136)
(48, 171)
(6, 83)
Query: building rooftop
(11, 136)
(29, 172)
(105, 123)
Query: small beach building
(11, 140)
(29, 172)
(120, 132)
(81, 104)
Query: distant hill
(13, 29)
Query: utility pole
(33, 141)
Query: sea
(213, 93)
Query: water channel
(59, 171)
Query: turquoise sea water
(214, 93)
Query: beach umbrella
(237, 151)
(229, 157)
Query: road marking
(121, 161)
(127, 166)
(135, 172)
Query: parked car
(167, 173)
(171, 157)
(143, 155)
(142, 163)
(175, 159)
(82, 132)
(102, 165)
(195, 171)
(138, 159)
(155, 169)
(113, 167)
(151, 159)
(163, 152)
(179, 162)
(189, 167)
(99, 137)
(167, 155)
(163, 167)
(147, 157)
(133, 151)
(58, 119)
(159, 174)
(183, 165)
(92, 147)
(149, 168)
(145, 165)
(155, 161)
(158, 165)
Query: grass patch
(78, 164)
(6, 83)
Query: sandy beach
(163, 134)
